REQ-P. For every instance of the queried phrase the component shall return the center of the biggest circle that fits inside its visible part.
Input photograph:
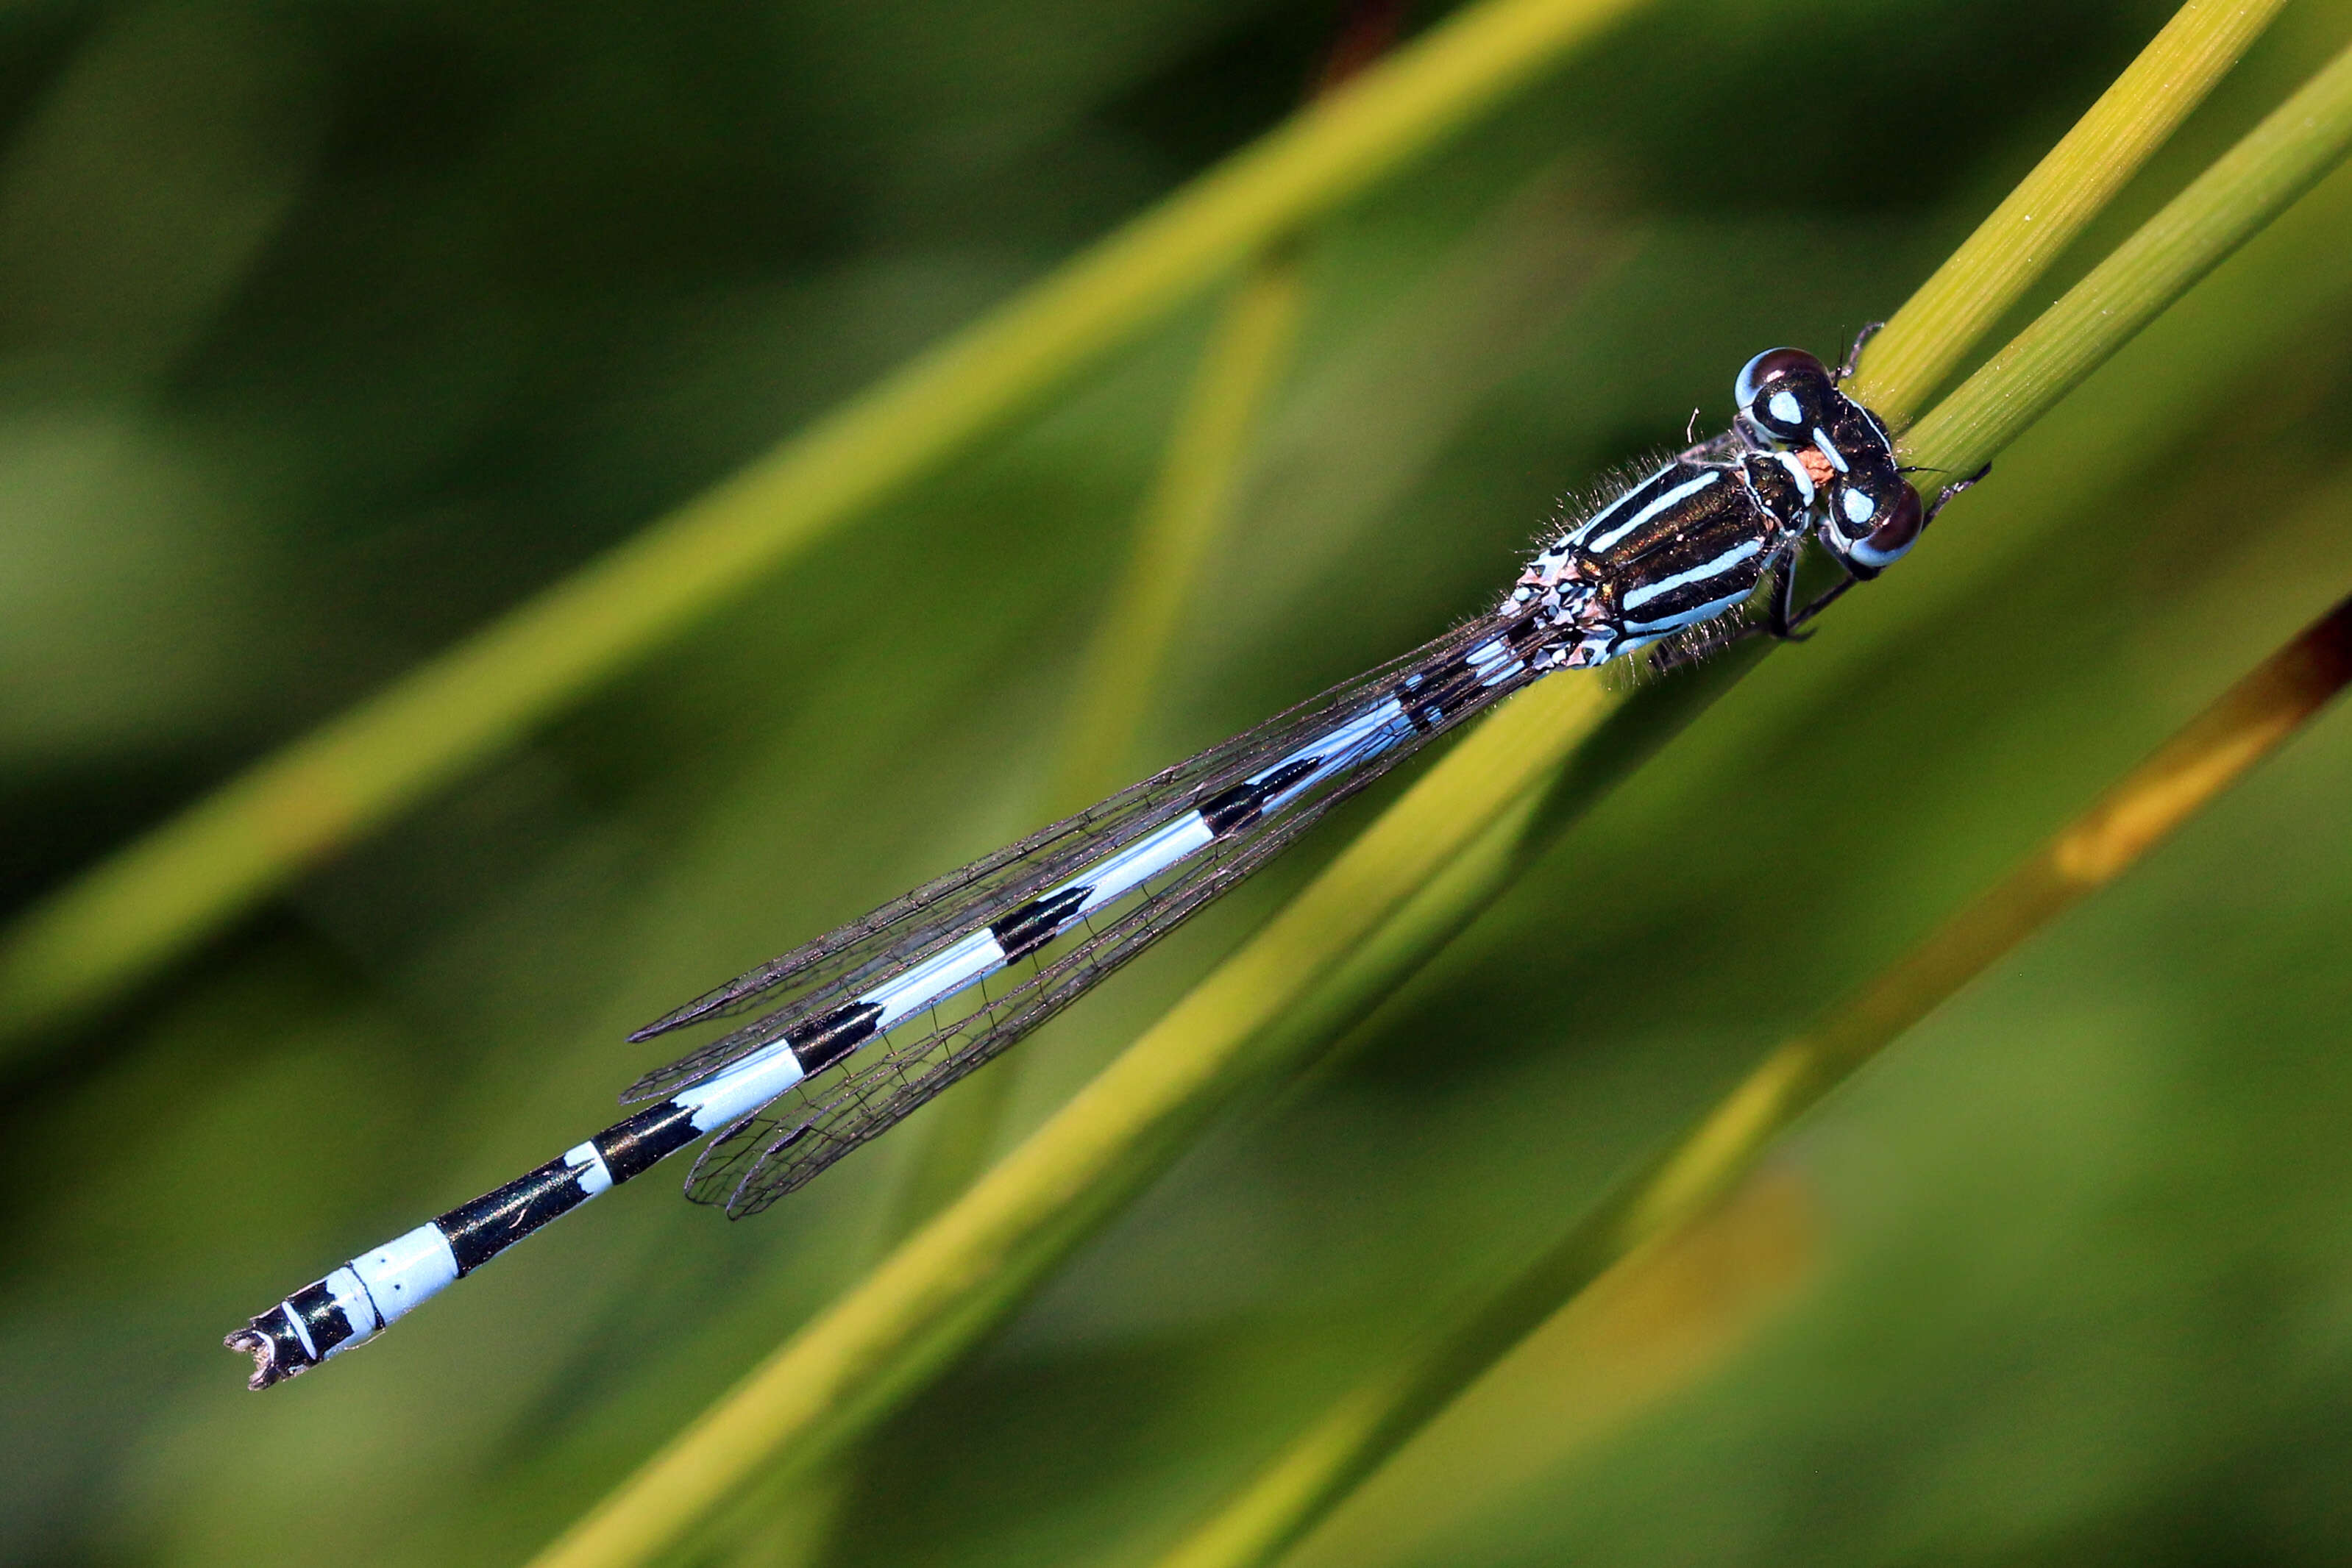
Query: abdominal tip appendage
(266, 1370)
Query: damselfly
(858, 1027)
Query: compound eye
(1785, 392)
(1901, 529)
(1771, 365)
(1896, 531)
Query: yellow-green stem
(2285, 155)
(1125, 662)
(2073, 184)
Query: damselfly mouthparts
(858, 1027)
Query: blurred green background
(328, 332)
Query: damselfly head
(1784, 395)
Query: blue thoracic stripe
(1584, 530)
(1602, 544)
(1746, 549)
(1688, 543)
(1651, 630)
(1828, 448)
(1797, 476)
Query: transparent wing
(853, 959)
(780, 1147)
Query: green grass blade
(198, 872)
(2072, 184)
(2278, 160)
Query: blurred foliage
(327, 333)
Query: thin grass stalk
(857, 1360)
(1191, 501)
(2014, 244)
(1321, 1468)
(1124, 666)
(1189, 507)
(2125, 127)
(193, 874)
(2074, 180)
